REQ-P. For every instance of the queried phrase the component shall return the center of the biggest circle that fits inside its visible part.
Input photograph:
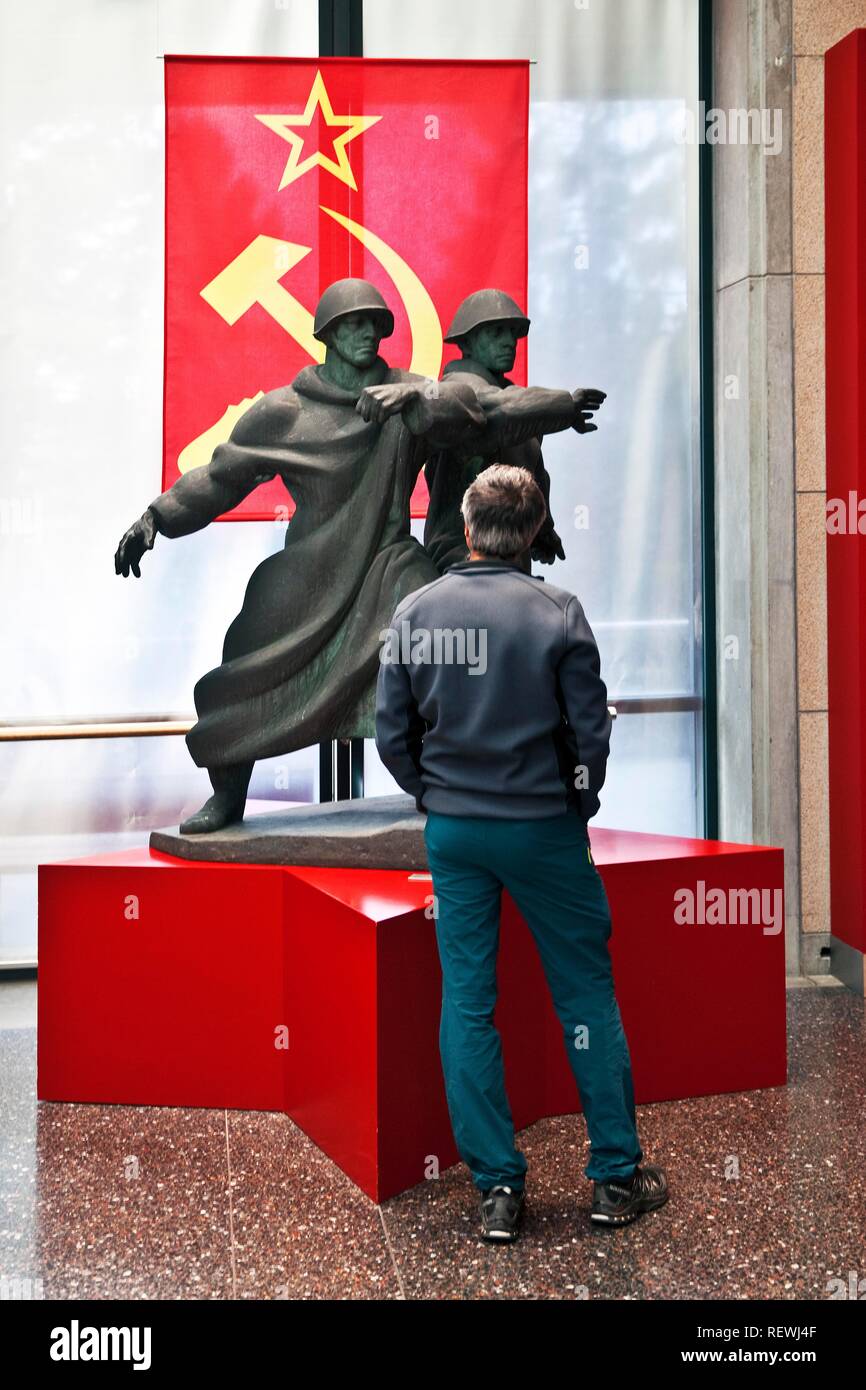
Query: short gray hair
(504, 509)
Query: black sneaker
(621, 1200)
(501, 1210)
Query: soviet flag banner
(283, 175)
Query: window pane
(613, 298)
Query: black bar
(326, 771)
(199, 1338)
(341, 32)
(341, 36)
(344, 774)
(708, 469)
(357, 762)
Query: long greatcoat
(301, 658)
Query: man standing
(507, 757)
(486, 328)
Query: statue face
(494, 345)
(356, 338)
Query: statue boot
(226, 806)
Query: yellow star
(351, 126)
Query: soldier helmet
(351, 296)
(486, 306)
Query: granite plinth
(378, 832)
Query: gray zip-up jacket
(489, 700)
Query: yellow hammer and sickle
(254, 276)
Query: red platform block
(176, 1005)
(187, 1005)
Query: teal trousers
(546, 866)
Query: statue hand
(376, 403)
(547, 548)
(587, 400)
(139, 538)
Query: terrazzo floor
(768, 1195)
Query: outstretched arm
(246, 459)
(517, 413)
(445, 413)
(203, 494)
(483, 419)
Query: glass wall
(614, 303)
(613, 300)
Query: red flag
(283, 175)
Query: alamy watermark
(737, 126)
(729, 907)
(846, 516)
(77, 1343)
(17, 1287)
(439, 646)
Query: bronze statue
(486, 328)
(348, 438)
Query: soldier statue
(348, 438)
(486, 328)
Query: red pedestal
(845, 209)
(317, 992)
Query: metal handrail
(149, 727)
(152, 726)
